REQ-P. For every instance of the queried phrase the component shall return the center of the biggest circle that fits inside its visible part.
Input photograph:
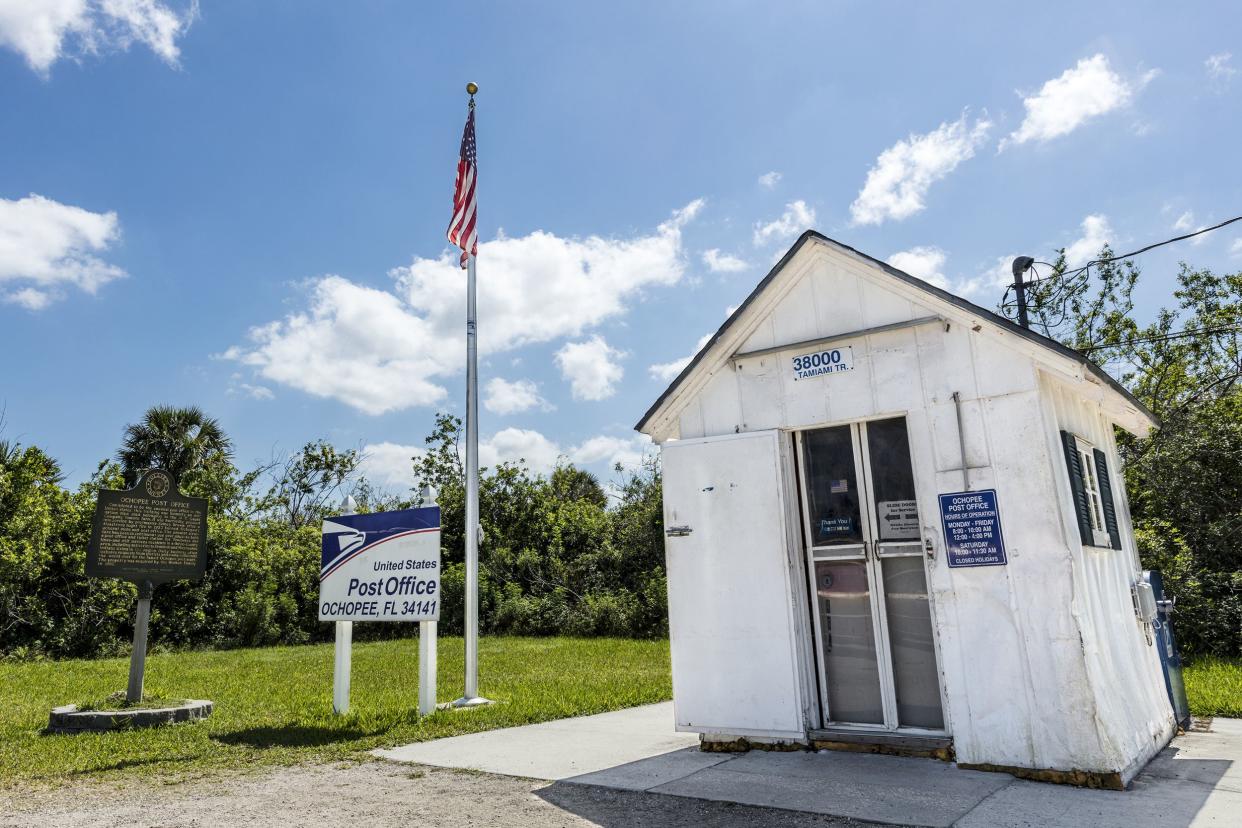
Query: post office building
(896, 520)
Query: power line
(1070, 279)
(1164, 338)
(1160, 244)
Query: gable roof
(990, 316)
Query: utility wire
(1071, 273)
(1164, 338)
(1162, 244)
(1069, 279)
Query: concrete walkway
(1196, 781)
(559, 749)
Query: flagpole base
(465, 703)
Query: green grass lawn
(1214, 687)
(274, 704)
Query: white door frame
(871, 552)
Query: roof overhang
(1131, 414)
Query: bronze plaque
(151, 532)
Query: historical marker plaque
(148, 533)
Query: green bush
(557, 559)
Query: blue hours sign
(972, 528)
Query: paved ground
(628, 769)
(378, 795)
(558, 749)
(1197, 781)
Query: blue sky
(242, 205)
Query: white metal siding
(1126, 684)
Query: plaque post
(138, 657)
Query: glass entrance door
(875, 650)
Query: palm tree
(178, 440)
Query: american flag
(463, 230)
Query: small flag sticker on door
(838, 486)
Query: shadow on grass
(125, 764)
(292, 736)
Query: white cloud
(898, 182)
(668, 371)
(769, 180)
(46, 246)
(926, 263)
(718, 262)
(29, 298)
(1096, 232)
(628, 451)
(1063, 104)
(592, 368)
(47, 30)
(541, 454)
(500, 396)
(356, 344)
(513, 445)
(796, 218)
(380, 350)
(390, 465)
(1219, 68)
(1185, 223)
(257, 392)
(1235, 249)
(988, 286)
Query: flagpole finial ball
(472, 88)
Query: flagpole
(471, 697)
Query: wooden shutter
(1081, 507)
(1106, 495)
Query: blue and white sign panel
(972, 528)
(384, 566)
(827, 361)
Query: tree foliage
(553, 558)
(1184, 481)
(183, 441)
(557, 555)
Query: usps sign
(384, 566)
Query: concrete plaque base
(69, 719)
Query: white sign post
(343, 644)
(383, 566)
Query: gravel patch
(376, 795)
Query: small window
(1091, 488)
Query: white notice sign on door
(899, 520)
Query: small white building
(896, 521)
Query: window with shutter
(1073, 462)
(1092, 491)
(1106, 496)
